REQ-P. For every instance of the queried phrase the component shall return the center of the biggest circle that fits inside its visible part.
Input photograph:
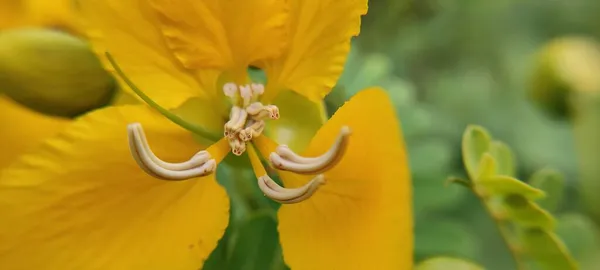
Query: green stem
(586, 129)
(503, 230)
(173, 117)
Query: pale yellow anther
(238, 147)
(246, 94)
(257, 89)
(246, 116)
(253, 130)
(273, 111)
(230, 89)
(258, 111)
(285, 159)
(289, 195)
(236, 122)
(199, 165)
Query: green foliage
(527, 228)
(444, 263)
(476, 142)
(552, 183)
(546, 249)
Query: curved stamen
(154, 166)
(286, 159)
(197, 160)
(289, 195)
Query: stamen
(246, 116)
(236, 122)
(197, 160)
(258, 89)
(288, 195)
(230, 89)
(285, 159)
(199, 165)
(254, 130)
(238, 147)
(258, 111)
(246, 94)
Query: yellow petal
(223, 34)
(128, 30)
(319, 45)
(361, 218)
(22, 129)
(300, 119)
(81, 202)
(59, 14)
(11, 13)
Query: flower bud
(52, 72)
(565, 66)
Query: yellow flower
(82, 201)
(25, 129)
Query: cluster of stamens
(247, 121)
(247, 116)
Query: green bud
(52, 72)
(564, 66)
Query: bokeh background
(526, 70)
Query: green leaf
(504, 157)
(546, 249)
(526, 213)
(256, 244)
(552, 183)
(580, 235)
(445, 263)
(475, 142)
(436, 236)
(501, 185)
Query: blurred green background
(447, 64)
(450, 63)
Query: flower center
(247, 116)
(246, 121)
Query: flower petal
(361, 218)
(81, 202)
(223, 34)
(23, 129)
(128, 30)
(319, 45)
(300, 119)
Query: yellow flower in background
(82, 201)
